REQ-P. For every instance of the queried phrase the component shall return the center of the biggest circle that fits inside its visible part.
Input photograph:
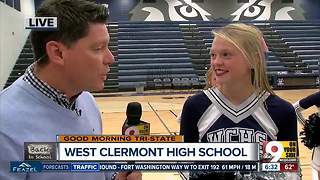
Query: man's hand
(135, 175)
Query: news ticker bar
(37, 166)
(119, 138)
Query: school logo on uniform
(236, 135)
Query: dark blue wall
(119, 8)
(312, 9)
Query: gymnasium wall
(13, 35)
(185, 10)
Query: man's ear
(54, 51)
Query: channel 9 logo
(279, 151)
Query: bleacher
(153, 55)
(303, 38)
(175, 55)
(112, 84)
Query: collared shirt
(29, 116)
(49, 91)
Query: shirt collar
(49, 91)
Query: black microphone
(133, 125)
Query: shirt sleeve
(288, 124)
(311, 100)
(188, 125)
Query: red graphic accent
(289, 167)
(274, 149)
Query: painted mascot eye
(254, 10)
(186, 10)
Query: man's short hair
(73, 18)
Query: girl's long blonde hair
(249, 40)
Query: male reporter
(52, 96)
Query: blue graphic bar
(37, 166)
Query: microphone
(133, 125)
